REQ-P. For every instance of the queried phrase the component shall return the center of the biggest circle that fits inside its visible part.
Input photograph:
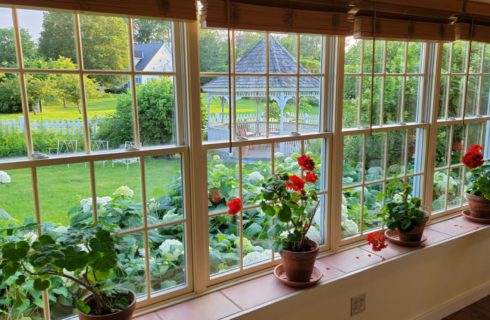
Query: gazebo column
(281, 99)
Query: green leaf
(82, 306)
(284, 214)
(73, 259)
(268, 210)
(20, 280)
(15, 251)
(10, 268)
(41, 285)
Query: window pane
(372, 207)
(353, 159)
(251, 110)
(415, 57)
(413, 87)
(459, 52)
(167, 258)
(282, 109)
(56, 118)
(156, 110)
(223, 179)
(311, 53)
(213, 50)
(12, 129)
(351, 101)
(392, 99)
(163, 176)
(16, 184)
(351, 211)
(224, 242)
(353, 55)
(367, 95)
(48, 39)
(396, 152)
(8, 57)
(118, 185)
(110, 113)
(443, 137)
(285, 157)
(440, 187)
(395, 56)
(256, 168)
(131, 256)
(378, 56)
(105, 42)
(250, 51)
(309, 104)
(152, 45)
(215, 108)
(257, 244)
(375, 156)
(283, 53)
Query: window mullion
(432, 82)
(333, 91)
(136, 130)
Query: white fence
(63, 127)
(219, 118)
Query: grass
(55, 111)
(61, 187)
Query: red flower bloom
(377, 241)
(234, 206)
(474, 157)
(295, 183)
(311, 177)
(306, 163)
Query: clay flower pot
(298, 266)
(479, 206)
(126, 314)
(416, 234)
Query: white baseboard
(457, 303)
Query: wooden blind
(271, 18)
(402, 29)
(480, 33)
(172, 9)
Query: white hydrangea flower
(141, 252)
(87, 203)
(60, 229)
(255, 177)
(216, 157)
(278, 155)
(30, 237)
(256, 257)
(398, 198)
(4, 178)
(349, 228)
(82, 247)
(123, 191)
(171, 249)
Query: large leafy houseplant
(84, 255)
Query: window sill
(251, 294)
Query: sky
(32, 20)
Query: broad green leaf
(284, 214)
(82, 306)
(41, 285)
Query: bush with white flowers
(123, 192)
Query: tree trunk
(64, 103)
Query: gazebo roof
(254, 62)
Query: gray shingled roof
(146, 52)
(254, 62)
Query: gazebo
(281, 88)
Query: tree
(213, 51)
(10, 101)
(148, 31)
(8, 56)
(58, 36)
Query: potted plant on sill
(291, 201)
(84, 254)
(403, 213)
(478, 189)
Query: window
(89, 131)
(457, 132)
(387, 140)
(277, 104)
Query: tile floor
(258, 291)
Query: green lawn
(56, 111)
(62, 187)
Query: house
(151, 57)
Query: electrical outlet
(357, 304)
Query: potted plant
(84, 254)
(402, 212)
(478, 189)
(292, 202)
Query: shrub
(10, 101)
(155, 112)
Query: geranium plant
(402, 212)
(479, 172)
(85, 255)
(292, 201)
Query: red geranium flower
(234, 206)
(311, 177)
(474, 157)
(295, 183)
(377, 241)
(306, 163)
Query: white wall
(427, 284)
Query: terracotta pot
(126, 314)
(416, 233)
(479, 206)
(298, 266)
